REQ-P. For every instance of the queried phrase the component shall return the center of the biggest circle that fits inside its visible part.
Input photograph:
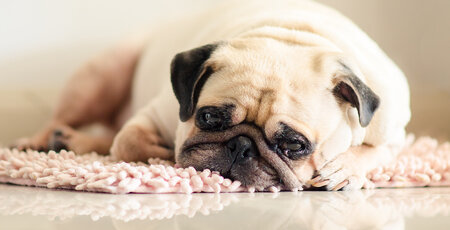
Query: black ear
(351, 89)
(188, 75)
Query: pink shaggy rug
(422, 162)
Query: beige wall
(43, 41)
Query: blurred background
(42, 42)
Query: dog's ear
(188, 75)
(351, 89)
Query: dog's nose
(241, 148)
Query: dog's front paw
(49, 138)
(134, 143)
(342, 173)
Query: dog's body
(272, 71)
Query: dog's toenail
(341, 185)
(57, 146)
(314, 180)
(57, 133)
(321, 183)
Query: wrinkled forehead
(271, 63)
(271, 82)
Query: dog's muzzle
(244, 141)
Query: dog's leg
(348, 170)
(139, 140)
(97, 93)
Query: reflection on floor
(23, 207)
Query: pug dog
(270, 93)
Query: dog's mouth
(239, 153)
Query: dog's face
(263, 111)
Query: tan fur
(278, 62)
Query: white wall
(43, 41)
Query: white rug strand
(422, 162)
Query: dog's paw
(134, 143)
(40, 141)
(37, 142)
(66, 138)
(23, 144)
(342, 173)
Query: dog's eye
(292, 149)
(212, 118)
(292, 146)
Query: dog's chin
(253, 171)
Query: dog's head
(258, 110)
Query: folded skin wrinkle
(284, 172)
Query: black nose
(241, 148)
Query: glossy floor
(37, 208)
